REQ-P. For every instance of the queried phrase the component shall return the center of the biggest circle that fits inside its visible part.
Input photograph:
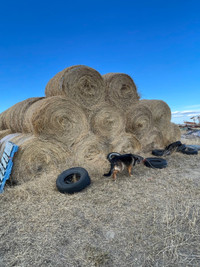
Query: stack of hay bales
(83, 117)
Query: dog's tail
(111, 170)
(111, 155)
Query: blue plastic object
(6, 163)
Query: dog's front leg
(129, 170)
(115, 175)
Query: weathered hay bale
(91, 153)
(13, 118)
(172, 134)
(82, 84)
(3, 120)
(57, 118)
(161, 112)
(5, 139)
(162, 121)
(121, 90)
(139, 120)
(154, 140)
(4, 133)
(107, 121)
(35, 157)
(125, 143)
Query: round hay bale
(125, 143)
(121, 90)
(91, 153)
(172, 134)
(57, 118)
(82, 84)
(161, 112)
(3, 120)
(13, 118)
(35, 157)
(107, 121)
(4, 133)
(139, 121)
(154, 140)
(5, 139)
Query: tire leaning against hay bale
(80, 83)
(121, 90)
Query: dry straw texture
(34, 156)
(58, 119)
(88, 116)
(107, 121)
(126, 143)
(121, 90)
(4, 133)
(14, 117)
(162, 121)
(139, 120)
(154, 140)
(91, 153)
(172, 133)
(160, 110)
(80, 83)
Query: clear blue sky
(156, 42)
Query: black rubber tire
(65, 185)
(196, 147)
(181, 148)
(173, 145)
(158, 152)
(189, 151)
(158, 163)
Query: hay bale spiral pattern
(80, 83)
(121, 90)
(83, 117)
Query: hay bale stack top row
(88, 115)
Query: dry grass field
(149, 219)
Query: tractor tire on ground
(189, 151)
(73, 180)
(158, 152)
(155, 163)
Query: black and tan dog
(118, 163)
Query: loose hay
(121, 90)
(82, 84)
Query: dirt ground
(149, 219)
